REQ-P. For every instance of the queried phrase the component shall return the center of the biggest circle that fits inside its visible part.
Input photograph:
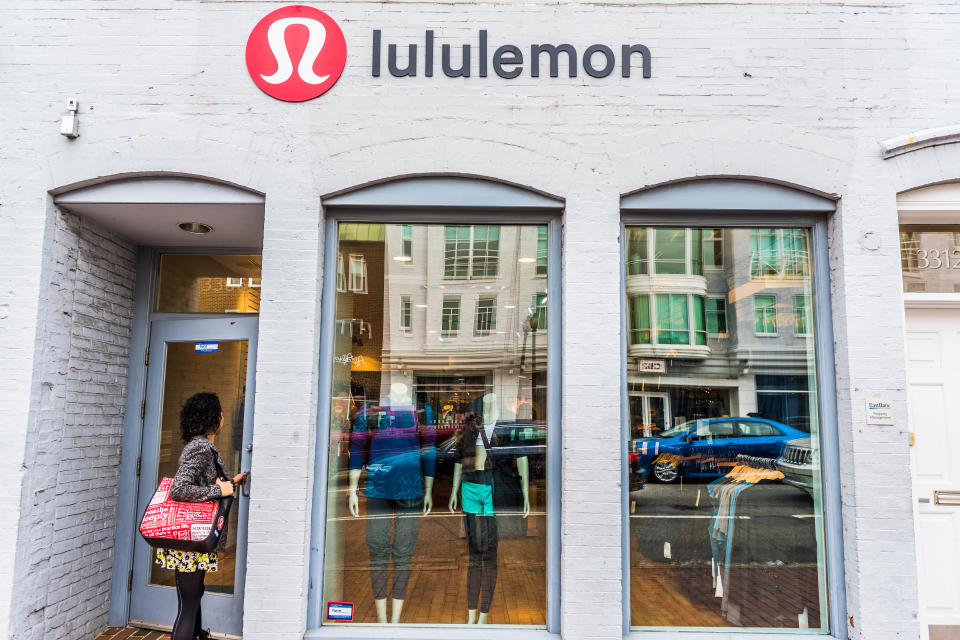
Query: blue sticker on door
(206, 347)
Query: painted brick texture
(783, 90)
(68, 519)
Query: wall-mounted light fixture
(70, 123)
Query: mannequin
(480, 521)
(401, 458)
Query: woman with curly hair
(198, 479)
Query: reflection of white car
(798, 462)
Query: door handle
(245, 487)
(947, 498)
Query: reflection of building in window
(716, 316)
(712, 248)
(486, 316)
(673, 325)
(406, 243)
(358, 273)
(909, 247)
(801, 315)
(675, 251)
(471, 252)
(765, 315)
(785, 398)
(538, 314)
(406, 313)
(234, 282)
(779, 252)
(639, 317)
(670, 251)
(672, 312)
(341, 274)
(450, 318)
(541, 250)
(637, 251)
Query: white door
(933, 375)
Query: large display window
(436, 493)
(726, 525)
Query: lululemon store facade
(528, 321)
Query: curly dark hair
(200, 415)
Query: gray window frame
(439, 200)
(730, 203)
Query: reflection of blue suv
(707, 448)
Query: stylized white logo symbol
(275, 38)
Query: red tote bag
(184, 526)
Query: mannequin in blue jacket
(400, 457)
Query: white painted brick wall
(786, 90)
(68, 517)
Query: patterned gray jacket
(196, 476)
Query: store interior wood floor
(437, 591)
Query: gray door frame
(223, 613)
(148, 262)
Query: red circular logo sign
(296, 53)
(220, 523)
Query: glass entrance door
(186, 357)
(654, 412)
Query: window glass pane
(696, 251)
(801, 315)
(538, 316)
(725, 512)
(637, 251)
(670, 251)
(406, 244)
(409, 402)
(765, 314)
(450, 321)
(208, 283)
(542, 250)
(713, 248)
(672, 324)
(699, 320)
(456, 257)
(640, 320)
(930, 258)
(716, 315)
(406, 312)
(486, 316)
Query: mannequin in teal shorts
(473, 477)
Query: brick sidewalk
(131, 633)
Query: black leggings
(189, 591)
(482, 539)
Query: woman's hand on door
(241, 478)
(226, 488)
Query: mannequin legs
(381, 606)
(482, 540)
(397, 608)
(392, 530)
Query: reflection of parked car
(707, 448)
(799, 464)
(513, 439)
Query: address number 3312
(937, 259)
